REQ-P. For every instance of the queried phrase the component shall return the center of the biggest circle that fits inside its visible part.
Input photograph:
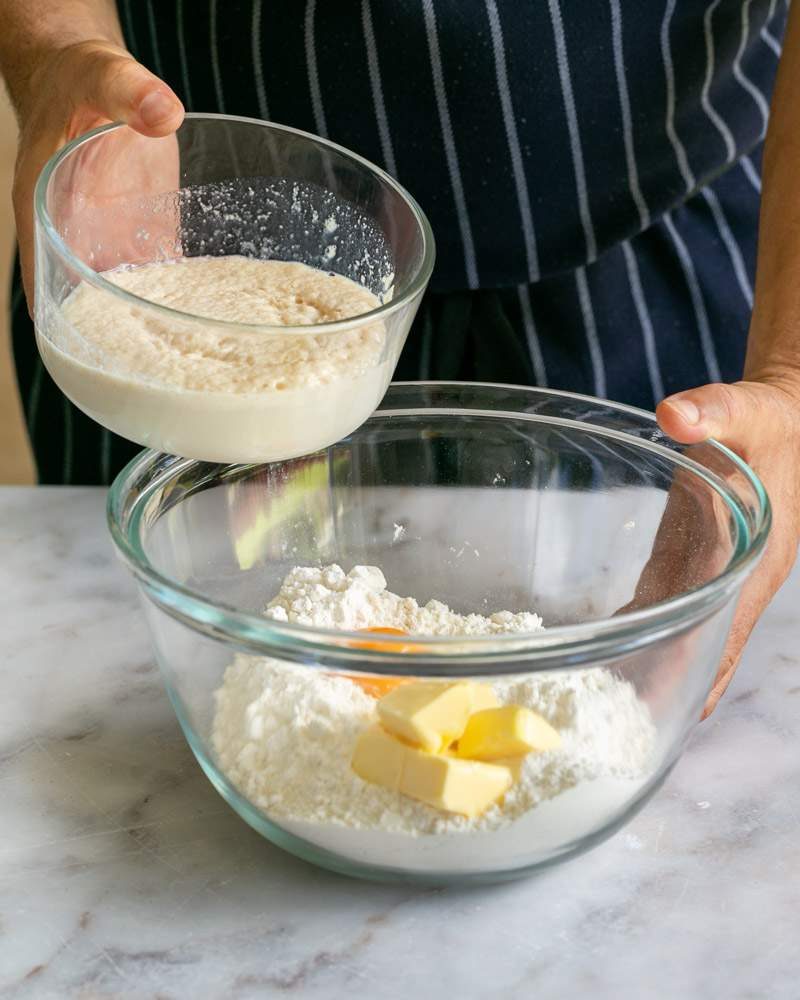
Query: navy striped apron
(591, 172)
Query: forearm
(759, 416)
(34, 29)
(773, 352)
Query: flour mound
(285, 734)
(330, 598)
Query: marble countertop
(123, 874)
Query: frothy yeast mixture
(211, 391)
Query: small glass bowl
(222, 186)
(631, 547)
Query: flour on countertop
(284, 734)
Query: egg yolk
(381, 630)
(378, 685)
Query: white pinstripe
(625, 109)
(699, 306)
(572, 125)
(182, 54)
(258, 68)
(151, 23)
(642, 464)
(771, 41)
(669, 74)
(739, 73)
(382, 119)
(581, 282)
(571, 442)
(520, 181)
(716, 119)
(648, 336)
(320, 123)
(451, 153)
(766, 35)
(215, 71)
(731, 245)
(750, 172)
(590, 326)
(535, 348)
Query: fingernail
(156, 107)
(686, 409)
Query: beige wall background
(16, 464)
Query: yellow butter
(508, 731)
(444, 782)
(378, 757)
(514, 765)
(467, 787)
(429, 714)
(483, 696)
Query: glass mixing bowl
(222, 186)
(631, 547)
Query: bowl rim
(415, 286)
(577, 643)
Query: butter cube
(378, 757)
(509, 731)
(483, 696)
(428, 714)
(467, 787)
(444, 782)
(514, 765)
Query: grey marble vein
(123, 874)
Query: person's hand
(71, 91)
(760, 421)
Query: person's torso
(534, 133)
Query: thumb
(113, 84)
(725, 412)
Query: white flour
(331, 598)
(284, 735)
(210, 392)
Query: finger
(720, 686)
(725, 412)
(118, 88)
(755, 597)
(746, 618)
(747, 614)
(109, 83)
